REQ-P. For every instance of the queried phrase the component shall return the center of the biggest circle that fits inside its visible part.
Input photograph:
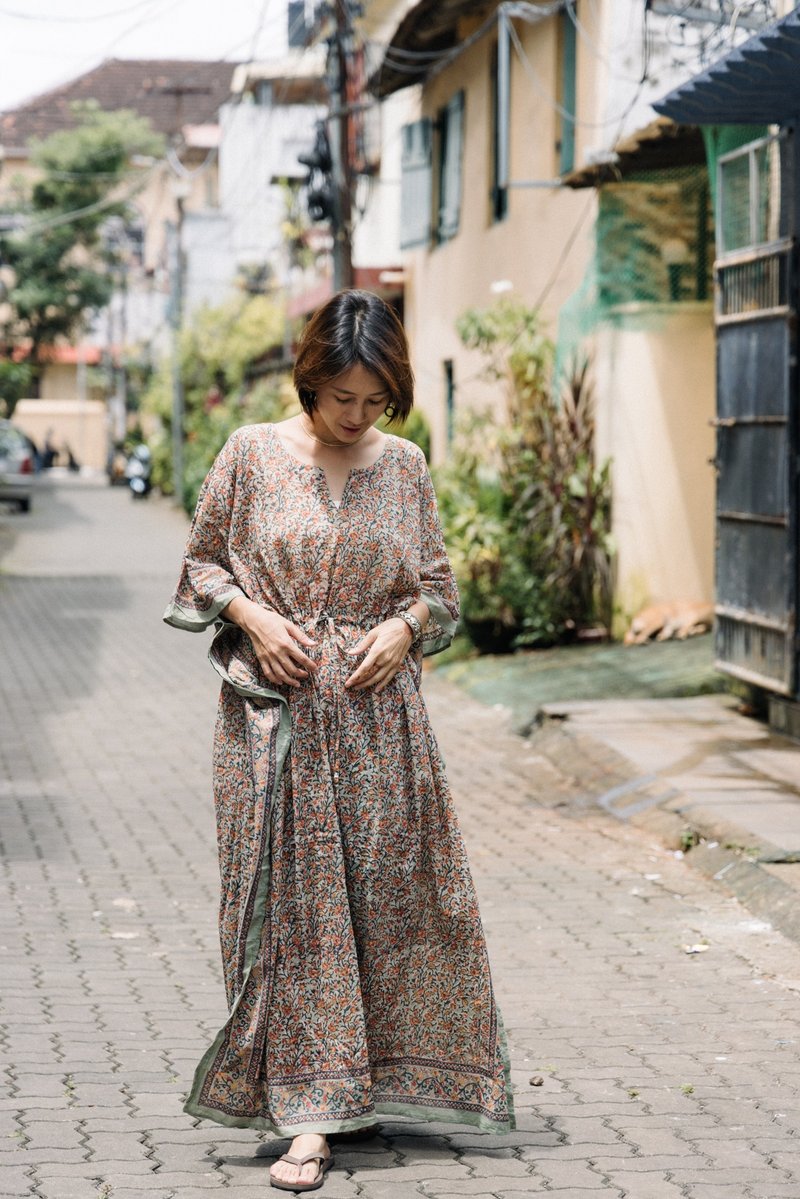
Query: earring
(390, 412)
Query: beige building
(504, 193)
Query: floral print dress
(355, 964)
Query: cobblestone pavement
(664, 1073)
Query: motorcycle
(138, 472)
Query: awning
(758, 83)
(660, 146)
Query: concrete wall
(82, 425)
(260, 143)
(654, 370)
(524, 253)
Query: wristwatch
(414, 624)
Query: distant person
(355, 964)
(50, 452)
(72, 462)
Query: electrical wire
(171, 158)
(528, 67)
(565, 252)
(75, 214)
(591, 45)
(262, 16)
(59, 18)
(244, 175)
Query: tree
(54, 253)
(218, 347)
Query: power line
(75, 214)
(530, 71)
(262, 16)
(51, 18)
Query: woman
(354, 959)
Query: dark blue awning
(759, 83)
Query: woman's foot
(307, 1142)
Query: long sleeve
(438, 586)
(207, 582)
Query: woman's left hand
(386, 647)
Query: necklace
(333, 445)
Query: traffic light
(318, 158)
(320, 192)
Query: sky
(44, 43)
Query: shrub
(525, 507)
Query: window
(416, 184)
(568, 97)
(752, 183)
(451, 135)
(498, 196)
(431, 177)
(449, 400)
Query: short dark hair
(355, 327)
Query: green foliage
(59, 264)
(296, 225)
(415, 428)
(500, 593)
(525, 507)
(509, 335)
(560, 507)
(217, 349)
(16, 379)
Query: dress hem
(411, 1110)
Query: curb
(722, 852)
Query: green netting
(654, 235)
(654, 242)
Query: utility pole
(177, 271)
(329, 185)
(340, 48)
(180, 190)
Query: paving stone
(14, 1181)
(52, 1134)
(118, 1176)
(579, 1193)
(44, 1154)
(116, 1146)
(392, 1190)
(441, 1185)
(126, 1193)
(578, 1174)
(69, 1188)
(500, 1164)
(412, 1172)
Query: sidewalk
(706, 779)
(642, 1069)
(694, 771)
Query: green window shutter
(416, 183)
(452, 140)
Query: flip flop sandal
(325, 1163)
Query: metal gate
(756, 448)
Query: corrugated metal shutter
(416, 183)
(450, 181)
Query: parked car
(17, 466)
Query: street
(659, 1018)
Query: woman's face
(349, 405)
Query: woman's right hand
(276, 641)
